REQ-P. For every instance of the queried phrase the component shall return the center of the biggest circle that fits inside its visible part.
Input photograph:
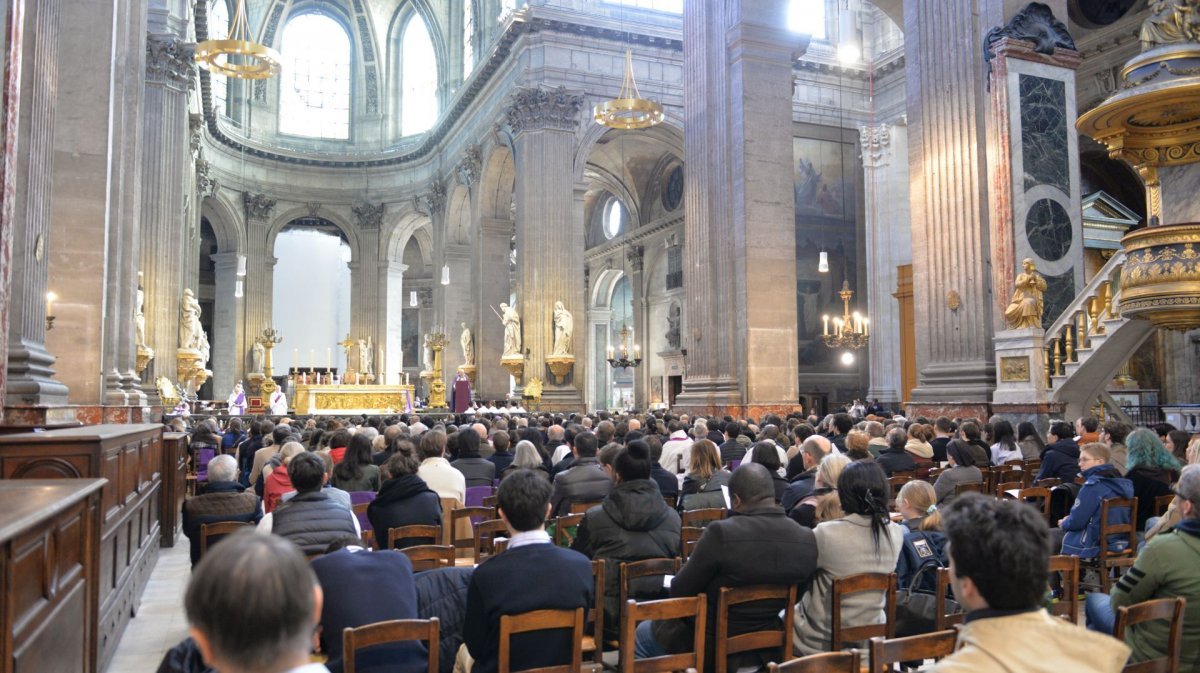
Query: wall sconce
(238, 289)
(50, 299)
(445, 274)
(412, 298)
(241, 269)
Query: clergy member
(237, 400)
(278, 403)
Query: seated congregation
(662, 543)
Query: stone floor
(160, 623)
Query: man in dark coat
(1061, 458)
(894, 458)
(757, 544)
(221, 499)
(584, 481)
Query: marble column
(366, 290)
(739, 205)
(943, 44)
(434, 203)
(227, 323)
(492, 287)
(31, 77)
(635, 256)
(260, 276)
(550, 241)
(166, 155)
(11, 36)
(885, 167)
(459, 308)
(397, 299)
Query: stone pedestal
(1022, 392)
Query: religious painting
(410, 340)
(826, 174)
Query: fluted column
(166, 154)
(459, 308)
(227, 322)
(550, 242)
(31, 74)
(885, 165)
(366, 291)
(492, 284)
(740, 206)
(260, 276)
(397, 299)
(641, 375)
(944, 48)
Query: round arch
(458, 215)
(497, 181)
(669, 133)
(286, 217)
(409, 225)
(225, 223)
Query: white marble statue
(258, 355)
(427, 355)
(191, 333)
(139, 319)
(564, 328)
(366, 360)
(512, 330)
(467, 341)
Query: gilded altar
(341, 400)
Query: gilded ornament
(1025, 309)
(1014, 369)
(953, 300)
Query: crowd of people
(808, 500)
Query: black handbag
(916, 611)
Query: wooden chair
(1004, 474)
(448, 530)
(726, 645)
(897, 482)
(485, 538)
(364, 523)
(699, 518)
(463, 519)
(884, 652)
(1048, 482)
(825, 662)
(653, 567)
(972, 487)
(211, 533)
(1068, 606)
(1106, 560)
(672, 501)
(1162, 503)
(428, 535)
(491, 501)
(563, 537)
(688, 537)
(393, 631)
(1003, 488)
(856, 584)
(944, 618)
(429, 556)
(1170, 609)
(633, 612)
(1040, 495)
(542, 620)
(594, 644)
(583, 507)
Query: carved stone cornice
(469, 168)
(170, 61)
(369, 215)
(532, 109)
(206, 183)
(258, 206)
(876, 140)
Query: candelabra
(625, 361)
(851, 331)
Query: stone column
(885, 165)
(739, 206)
(366, 291)
(550, 241)
(434, 203)
(31, 76)
(943, 44)
(397, 299)
(641, 375)
(459, 308)
(260, 276)
(492, 286)
(166, 155)
(228, 322)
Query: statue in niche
(673, 326)
(1171, 21)
(564, 329)
(258, 355)
(139, 319)
(512, 330)
(1025, 309)
(427, 354)
(191, 333)
(467, 341)
(366, 365)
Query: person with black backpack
(924, 543)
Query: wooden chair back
(563, 536)
(672, 501)
(1107, 559)
(688, 537)
(699, 518)
(429, 556)
(856, 584)
(1162, 503)
(1007, 488)
(542, 620)
(653, 567)
(825, 662)
(972, 487)
(633, 612)
(1004, 474)
(1067, 567)
(897, 482)
(491, 501)
(427, 535)
(463, 521)
(1040, 497)
(393, 631)
(884, 652)
(1170, 609)
(781, 638)
(594, 643)
(1048, 482)
(485, 538)
(448, 530)
(944, 618)
(211, 533)
(583, 507)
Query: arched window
(314, 91)
(468, 37)
(218, 29)
(614, 218)
(807, 16)
(418, 77)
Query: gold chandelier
(254, 60)
(851, 331)
(629, 111)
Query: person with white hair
(222, 498)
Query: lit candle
(50, 299)
(637, 352)
(610, 352)
(866, 326)
(295, 357)
(825, 319)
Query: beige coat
(1032, 642)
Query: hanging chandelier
(850, 331)
(629, 111)
(625, 361)
(253, 60)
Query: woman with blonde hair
(702, 486)
(823, 503)
(924, 542)
(918, 445)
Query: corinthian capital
(170, 61)
(876, 143)
(258, 206)
(537, 108)
(369, 215)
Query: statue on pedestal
(1171, 21)
(257, 356)
(467, 341)
(673, 327)
(144, 354)
(1025, 309)
(366, 360)
(191, 333)
(512, 330)
(564, 328)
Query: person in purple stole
(460, 394)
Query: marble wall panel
(1044, 132)
(1060, 291)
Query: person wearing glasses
(1079, 531)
